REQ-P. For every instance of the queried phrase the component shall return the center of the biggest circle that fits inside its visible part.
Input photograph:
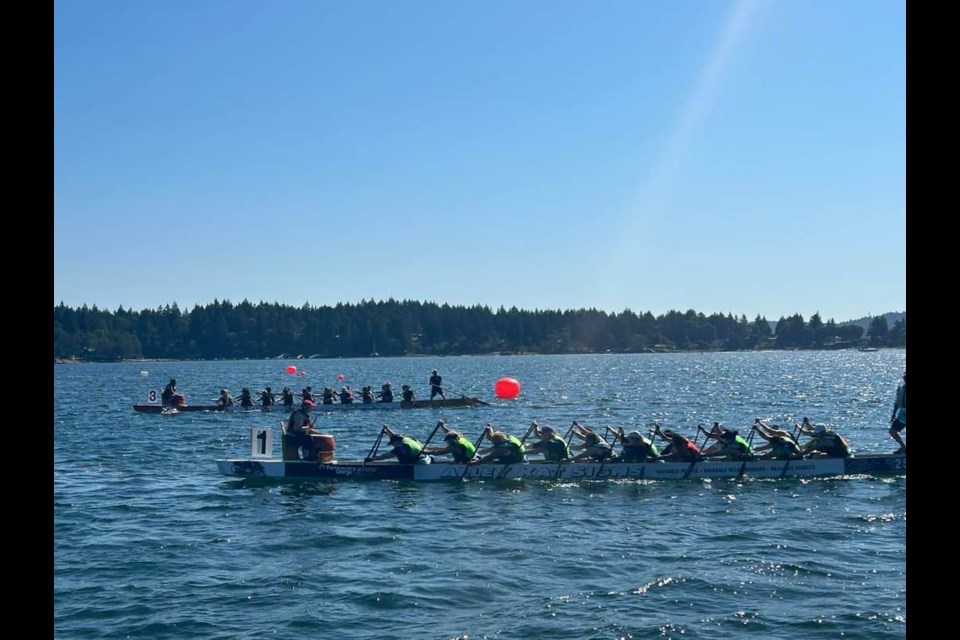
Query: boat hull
(337, 406)
(570, 471)
(159, 408)
(403, 404)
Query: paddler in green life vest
(506, 449)
(405, 449)
(729, 444)
(551, 445)
(457, 445)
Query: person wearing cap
(679, 448)
(594, 448)
(386, 392)
(300, 428)
(551, 445)
(824, 442)
(328, 395)
(366, 394)
(729, 444)
(436, 385)
(635, 448)
(246, 400)
(898, 421)
(225, 401)
(286, 397)
(168, 397)
(267, 398)
(505, 449)
(405, 449)
(408, 395)
(457, 445)
(780, 442)
(346, 395)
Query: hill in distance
(891, 316)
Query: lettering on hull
(880, 464)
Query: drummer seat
(289, 450)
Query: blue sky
(742, 157)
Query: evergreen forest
(223, 330)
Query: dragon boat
(466, 401)
(262, 464)
(874, 464)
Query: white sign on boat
(261, 443)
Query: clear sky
(722, 156)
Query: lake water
(151, 542)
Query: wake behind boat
(180, 408)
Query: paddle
(376, 445)
(429, 438)
(476, 447)
(696, 459)
(462, 395)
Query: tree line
(223, 330)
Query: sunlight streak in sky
(629, 265)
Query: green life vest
(463, 449)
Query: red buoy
(507, 388)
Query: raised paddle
(376, 445)
(423, 449)
(476, 447)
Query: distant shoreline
(495, 353)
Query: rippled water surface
(150, 542)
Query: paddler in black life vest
(386, 392)
(636, 448)
(436, 385)
(286, 397)
(328, 395)
(267, 399)
(898, 421)
(246, 400)
(169, 396)
(300, 428)
(366, 394)
(825, 442)
(408, 395)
